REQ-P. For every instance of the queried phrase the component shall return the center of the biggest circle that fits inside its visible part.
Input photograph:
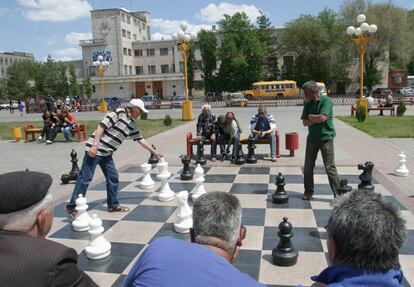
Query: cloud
(213, 13)
(5, 12)
(73, 38)
(67, 54)
(167, 27)
(55, 10)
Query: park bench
(243, 140)
(391, 109)
(31, 130)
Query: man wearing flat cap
(108, 136)
(26, 215)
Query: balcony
(92, 42)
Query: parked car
(365, 91)
(236, 99)
(322, 89)
(380, 92)
(6, 105)
(213, 97)
(177, 101)
(405, 92)
(111, 102)
(151, 102)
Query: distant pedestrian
(11, 108)
(21, 107)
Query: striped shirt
(268, 119)
(118, 125)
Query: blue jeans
(66, 132)
(234, 140)
(207, 136)
(86, 174)
(272, 143)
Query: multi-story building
(138, 65)
(9, 58)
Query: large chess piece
(73, 174)
(166, 194)
(186, 174)
(147, 182)
(200, 153)
(99, 247)
(344, 187)
(401, 170)
(153, 159)
(240, 155)
(251, 146)
(199, 190)
(284, 254)
(366, 176)
(82, 220)
(184, 220)
(280, 196)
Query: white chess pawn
(199, 179)
(184, 220)
(99, 247)
(166, 194)
(147, 182)
(401, 170)
(81, 222)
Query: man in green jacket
(317, 115)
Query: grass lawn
(383, 127)
(147, 128)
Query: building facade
(9, 58)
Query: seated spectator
(46, 124)
(55, 126)
(69, 122)
(365, 234)
(216, 235)
(370, 101)
(206, 129)
(389, 102)
(26, 215)
(263, 125)
(228, 130)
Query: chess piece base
(98, 252)
(166, 196)
(251, 160)
(185, 176)
(401, 172)
(366, 187)
(65, 178)
(144, 185)
(280, 198)
(240, 161)
(284, 259)
(80, 226)
(201, 161)
(184, 226)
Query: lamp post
(360, 36)
(101, 67)
(184, 43)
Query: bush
(361, 114)
(144, 116)
(401, 109)
(167, 120)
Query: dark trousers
(223, 138)
(327, 150)
(206, 136)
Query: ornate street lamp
(101, 67)
(185, 41)
(360, 36)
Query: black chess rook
(284, 254)
(251, 146)
(240, 155)
(200, 153)
(153, 159)
(280, 196)
(73, 174)
(366, 176)
(186, 174)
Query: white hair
(206, 107)
(23, 220)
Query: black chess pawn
(344, 187)
(366, 176)
(251, 146)
(153, 159)
(186, 174)
(73, 174)
(280, 196)
(240, 155)
(284, 254)
(200, 153)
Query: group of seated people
(388, 101)
(225, 129)
(364, 236)
(55, 122)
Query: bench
(243, 140)
(31, 130)
(391, 109)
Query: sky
(54, 27)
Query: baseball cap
(137, 103)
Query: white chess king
(99, 247)
(401, 170)
(81, 222)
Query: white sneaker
(40, 138)
(48, 142)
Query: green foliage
(401, 109)
(87, 87)
(19, 75)
(144, 116)
(208, 50)
(73, 82)
(62, 85)
(372, 76)
(167, 120)
(361, 114)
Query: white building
(9, 58)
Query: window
(143, 26)
(181, 66)
(128, 19)
(150, 52)
(173, 68)
(93, 89)
(125, 51)
(125, 70)
(124, 33)
(164, 69)
(163, 51)
(128, 35)
(139, 70)
(135, 22)
(134, 37)
(138, 53)
(129, 52)
(198, 65)
(151, 69)
(130, 70)
(122, 17)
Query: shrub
(401, 109)
(167, 120)
(361, 114)
(144, 116)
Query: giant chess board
(149, 218)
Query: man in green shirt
(317, 115)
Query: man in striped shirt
(108, 136)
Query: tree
(17, 80)
(73, 82)
(62, 86)
(241, 54)
(50, 80)
(190, 70)
(208, 50)
(87, 87)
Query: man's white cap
(137, 103)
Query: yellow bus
(272, 89)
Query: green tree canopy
(208, 50)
